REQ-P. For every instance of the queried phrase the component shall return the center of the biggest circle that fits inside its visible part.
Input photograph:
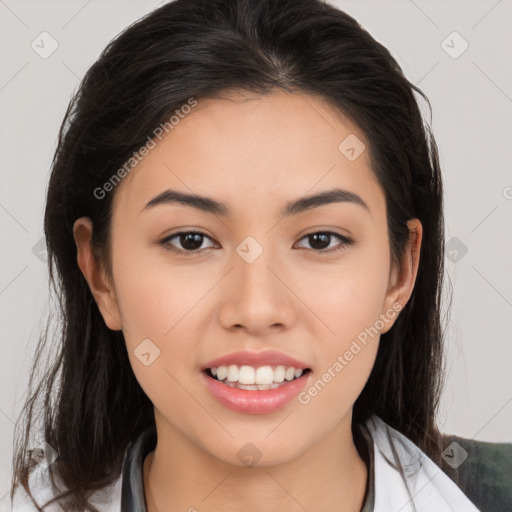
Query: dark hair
(203, 49)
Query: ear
(401, 282)
(99, 284)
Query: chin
(257, 451)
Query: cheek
(159, 344)
(347, 355)
(349, 295)
(154, 297)
(156, 304)
(349, 301)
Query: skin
(255, 154)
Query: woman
(294, 362)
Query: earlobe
(92, 270)
(402, 281)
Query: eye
(320, 238)
(189, 240)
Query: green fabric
(485, 477)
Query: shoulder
(106, 500)
(41, 489)
(482, 470)
(407, 479)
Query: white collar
(428, 486)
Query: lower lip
(255, 402)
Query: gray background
(471, 97)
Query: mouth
(254, 390)
(249, 378)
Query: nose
(257, 297)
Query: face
(314, 283)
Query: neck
(328, 476)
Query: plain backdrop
(457, 52)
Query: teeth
(264, 375)
(248, 377)
(279, 373)
(254, 387)
(245, 386)
(232, 373)
(290, 374)
(222, 372)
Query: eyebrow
(209, 205)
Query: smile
(255, 379)
(254, 390)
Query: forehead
(268, 149)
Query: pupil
(316, 238)
(188, 242)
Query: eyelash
(345, 242)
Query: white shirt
(425, 486)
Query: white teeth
(264, 375)
(248, 377)
(232, 373)
(290, 374)
(279, 374)
(222, 372)
(245, 386)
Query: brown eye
(320, 240)
(190, 241)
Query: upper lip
(256, 359)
